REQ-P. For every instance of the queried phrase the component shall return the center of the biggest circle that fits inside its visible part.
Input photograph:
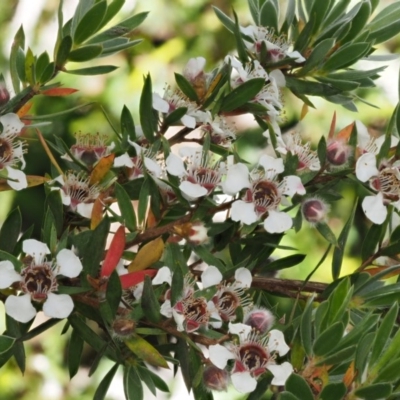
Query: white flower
(38, 282)
(221, 133)
(77, 193)
(194, 68)
(384, 180)
(12, 151)
(292, 143)
(252, 357)
(264, 193)
(277, 47)
(199, 175)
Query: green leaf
(85, 53)
(242, 94)
(344, 86)
(176, 285)
(74, 353)
(269, 15)
(49, 233)
(338, 252)
(385, 17)
(112, 11)
(318, 12)
(339, 356)
(362, 353)
(113, 294)
(329, 339)
(6, 343)
(30, 71)
(132, 384)
(102, 389)
(90, 23)
(372, 238)
(145, 351)
(240, 46)
(324, 229)
(346, 55)
(109, 49)
(54, 203)
(297, 385)
(226, 21)
(385, 33)
(63, 51)
(317, 56)
(175, 116)
(17, 44)
(310, 88)
(389, 373)
(127, 126)
(305, 36)
(126, 208)
(359, 21)
(121, 29)
(10, 231)
(148, 120)
(288, 396)
(149, 302)
(99, 70)
(83, 7)
(209, 258)
(333, 391)
(374, 392)
(144, 197)
(383, 333)
(285, 262)
(186, 87)
(306, 327)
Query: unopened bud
(215, 378)
(123, 327)
(314, 210)
(195, 233)
(260, 319)
(4, 95)
(337, 152)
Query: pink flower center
(38, 280)
(6, 152)
(264, 195)
(253, 358)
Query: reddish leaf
(114, 253)
(58, 91)
(24, 110)
(134, 278)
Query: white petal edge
(276, 342)
(281, 373)
(277, 222)
(192, 190)
(236, 179)
(243, 382)
(366, 167)
(374, 208)
(166, 309)
(123, 161)
(70, 265)
(243, 277)
(20, 181)
(293, 186)
(243, 212)
(58, 305)
(36, 249)
(20, 308)
(219, 355)
(8, 275)
(211, 277)
(85, 209)
(163, 275)
(175, 165)
(160, 104)
(242, 330)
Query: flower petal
(70, 265)
(374, 208)
(20, 308)
(243, 382)
(275, 165)
(277, 342)
(236, 179)
(123, 161)
(166, 309)
(243, 277)
(366, 167)
(219, 355)
(243, 212)
(8, 275)
(277, 222)
(179, 319)
(160, 104)
(85, 209)
(58, 305)
(211, 277)
(152, 166)
(242, 330)
(281, 372)
(192, 190)
(11, 123)
(17, 179)
(163, 275)
(36, 249)
(189, 121)
(175, 165)
(293, 185)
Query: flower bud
(123, 327)
(260, 319)
(195, 233)
(215, 378)
(314, 210)
(4, 95)
(337, 152)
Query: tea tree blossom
(277, 47)
(292, 143)
(264, 193)
(384, 180)
(12, 151)
(199, 175)
(252, 356)
(38, 282)
(220, 132)
(77, 193)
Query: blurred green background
(174, 31)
